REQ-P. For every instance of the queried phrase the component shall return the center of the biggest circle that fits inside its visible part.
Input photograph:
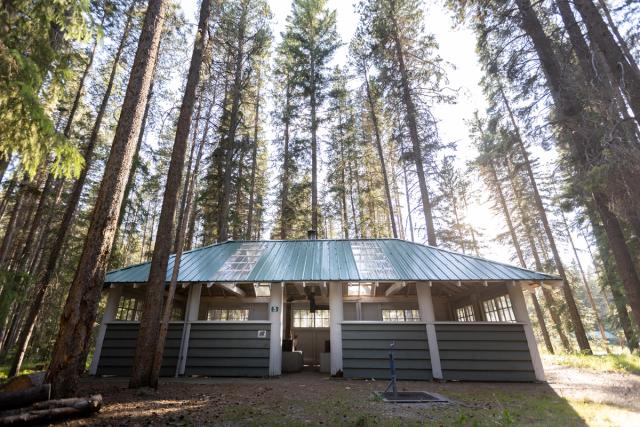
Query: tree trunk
(187, 178)
(343, 193)
(234, 121)
(149, 336)
(39, 292)
(396, 191)
(29, 322)
(70, 351)
(5, 317)
(611, 278)
(37, 220)
(12, 330)
(7, 194)
(10, 229)
(631, 337)
(168, 307)
(541, 322)
(474, 241)
(72, 203)
(192, 211)
(624, 261)
(412, 124)
(27, 245)
(622, 66)
(581, 135)
(458, 222)
(25, 217)
(153, 225)
(550, 301)
(76, 100)
(518, 248)
(610, 103)
(383, 166)
(190, 207)
(610, 96)
(284, 202)
(238, 196)
(259, 213)
(42, 413)
(33, 263)
(314, 149)
(505, 211)
(619, 38)
(406, 192)
(587, 288)
(136, 159)
(576, 319)
(23, 397)
(254, 158)
(4, 164)
(356, 220)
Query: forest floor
(573, 396)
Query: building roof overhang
(356, 260)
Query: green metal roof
(329, 260)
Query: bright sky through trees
(457, 47)
(509, 132)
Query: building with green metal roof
(264, 308)
(329, 260)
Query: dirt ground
(572, 397)
(610, 388)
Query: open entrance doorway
(310, 332)
(306, 331)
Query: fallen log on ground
(25, 397)
(52, 410)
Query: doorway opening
(306, 328)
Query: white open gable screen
(371, 261)
(238, 266)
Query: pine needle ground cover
(572, 397)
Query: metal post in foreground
(392, 368)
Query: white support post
(275, 318)
(522, 315)
(425, 304)
(336, 315)
(191, 315)
(115, 292)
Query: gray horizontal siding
(365, 350)
(118, 348)
(228, 350)
(484, 352)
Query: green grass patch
(27, 368)
(475, 405)
(601, 363)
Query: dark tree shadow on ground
(311, 398)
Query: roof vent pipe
(312, 235)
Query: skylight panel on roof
(241, 262)
(371, 261)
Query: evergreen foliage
(285, 138)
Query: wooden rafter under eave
(395, 288)
(233, 288)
